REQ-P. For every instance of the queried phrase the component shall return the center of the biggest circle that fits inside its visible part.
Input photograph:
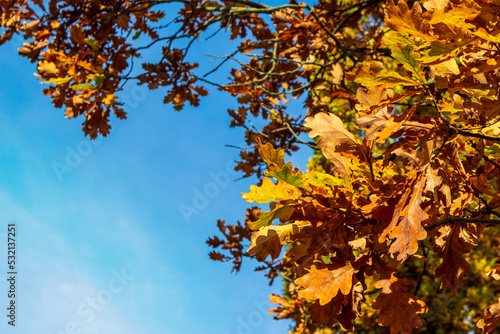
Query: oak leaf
(375, 75)
(452, 243)
(410, 60)
(491, 318)
(270, 239)
(401, 18)
(398, 308)
(406, 224)
(265, 218)
(47, 67)
(269, 192)
(342, 309)
(446, 68)
(325, 284)
(275, 160)
(337, 144)
(495, 272)
(436, 4)
(287, 174)
(382, 125)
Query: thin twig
(297, 137)
(466, 220)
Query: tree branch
(467, 220)
(475, 135)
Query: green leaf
(375, 75)
(321, 179)
(57, 81)
(83, 86)
(98, 79)
(409, 58)
(92, 42)
(266, 218)
(137, 35)
(286, 174)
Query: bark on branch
(453, 220)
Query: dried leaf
(452, 243)
(491, 318)
(399, 309)
(406, 224)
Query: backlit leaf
(269, 192)
(325, 284)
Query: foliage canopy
(396, 220)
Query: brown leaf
(398, 308)
(436, 179)
(452, 243)
(406, 224)
(495, 272)
(491, 318)
(382, 125)
(336, 142)
(343, 309)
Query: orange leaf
(401, 18)
(382, 125)
(324, 284)
(406, 224)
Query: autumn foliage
(396, 221)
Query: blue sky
(102, 244)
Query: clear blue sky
(85, 229)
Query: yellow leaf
(436, 4)
(376, 75)
(269, 192)
(47, 67)
(269, 239)
(401, 18)
(281, 212)
(446, 68)
(109, 99)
